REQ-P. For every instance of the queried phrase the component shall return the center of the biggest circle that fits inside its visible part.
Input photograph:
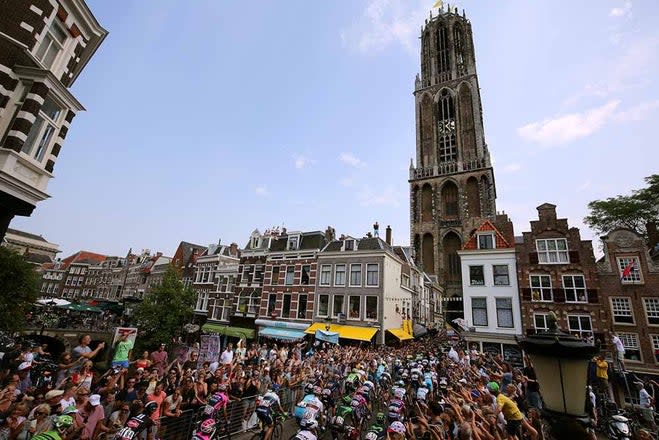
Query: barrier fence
(240, 416)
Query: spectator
(160, 359)
(226, 358)
(619, 350)
(40, 421)
(90, 415)
(83, 350)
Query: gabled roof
(363, 244)
(308, 241)
(26, 235)
(487, 226)
(83, 257)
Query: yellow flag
(438, 4)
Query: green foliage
(631, 211)
(161, 315)
(19, 289)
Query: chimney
(547, 212)
(233, 249)
(653, 235)
(388, 235)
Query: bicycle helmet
(400, 383)
(71, 409)
(347, 400)
(493, 387)
(275, 388)
(308, 388)
(397, 427)
(207, 426)
(380, 418)
(222, 387)
(62, 423)
(309, 423)
(371, 435)
(150, 408)
(327, 392)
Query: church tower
(452, 185)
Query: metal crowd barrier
(240, 414)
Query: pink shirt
(93, 418)
(159, 359)
(159, 399)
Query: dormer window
(293, 243)
(486, 241)
(349, 245)
(52, 45)
(255, 242)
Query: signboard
(331, 337)
(513, 355)
(119, 331)
(209, 349)
(493, 348)
(181, 353)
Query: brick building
(44, 45)
(67, 278)
(184, 260)
(629, 281)
(556, 271)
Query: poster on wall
(180, 352)
(209, 349)
(120, 331)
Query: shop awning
(285, 334)
(400, 334)
(345, 331)
(237, 332)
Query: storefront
(281, 330)
(497, 345)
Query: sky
(207, 119)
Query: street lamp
(560, 361)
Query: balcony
(447, 168)
(557, 296)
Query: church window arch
(449, 197)
(428, 253)
(446, 130)
(426, 128)
(466, 123)
(426, 203)
(472, 190)
(451, 244)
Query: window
(306, 273)
(541, 288)
(258, 274)
(373, 274)
(632, 347)
(655, 347)
(621, 310)
(42, 130)
(540, 321)
(355, 274)
(500, 275)
(293, 243)
(202, 302)
(349, 245)
(485, 241)
(272, 302)
(275, 275)
(290, 275)
(580, 325)
(405, 280)
(51, 45)
(302, 307)
(505, 312)
(552, 251)
(325, 274)
(337, 307)
(354, 307)
(575, 288)
(651, 310)
(479, 311)
(323, 305)
(446, 129)
(286, 307)
(476, 276)
(372, 308)
(629, 268)
(340, 275)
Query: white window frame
(575, 289)
(494, 282)
(326, 295)
(377, 275)
(541, 288)
(473, 318)
(580, 330)
(62, 47)
(631, 342)
(202, 302)
(623, 306)
(343, 305)
(286, 283)
(544, 317)
(654, 310)
(492, 237)
(336, 273)
(38, 149)
(377, 308)
(546, 252)
(471, 281)
(512, 314)
(290, 305)
(654, 340)
(298, 308)
(325, 269)
(636, 274)
(353, 243)
(350, 284)
(293, 243)
(359, 312)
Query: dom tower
(452, 185)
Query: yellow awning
(345, 331)
(400, 334)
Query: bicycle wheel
(277, 431)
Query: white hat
(53, 393)
(140, 369)
(463, 380)
(25, 366)
(94, 400)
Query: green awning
(237, 332)
(80, 308)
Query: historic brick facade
(556, 271)
(452, 185)
(631, 298)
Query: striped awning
(283, 334)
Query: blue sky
(207, 119)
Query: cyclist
(140, 423)
(309, 429)
(337, 423)
(61, 425)
(378, 430)
(264, 409)
(310, 404)
(206, 430)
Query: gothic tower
(452, 185)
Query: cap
(397, 427)
(94, 400)
(140, 369)
(463, 380)
(53, 393)
(25, 366)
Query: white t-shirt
(453, 355)
(226, 357)
(620, 348)
(644, 398)
(65, 403)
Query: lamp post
(560, 361)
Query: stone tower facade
(452, 185)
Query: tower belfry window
(443, 55)
(446, 127)
(458, 41)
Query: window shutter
(574, 256)
(526, 294)
(533, 257)
(592, 296)
(559, 295)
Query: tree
(161, 315)
(19, 289)
(632, 211)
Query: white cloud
(566, 128)
(386, 197)
(623, 11)
(347, 182)
(261, 191)
(302, 161)
(509, 168)
(387, 22)
(638, 112)
(585, 186)
(350, 159)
